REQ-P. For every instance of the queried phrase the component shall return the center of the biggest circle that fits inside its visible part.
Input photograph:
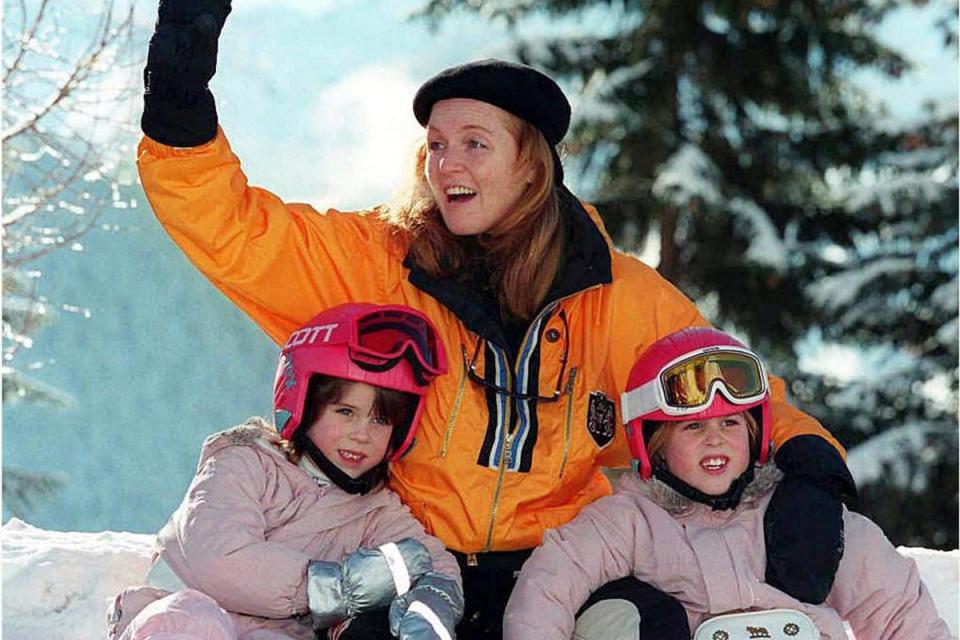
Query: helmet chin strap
(361, 485)
(727, 500)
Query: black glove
(803, 525)
(178, 108)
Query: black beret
(515, 88)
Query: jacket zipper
(509, 438)
(502, 468)
(454, 412)
(569, 419)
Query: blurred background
(791, 165)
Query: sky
(327, 86)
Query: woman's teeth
(352, 456)
(459, 193)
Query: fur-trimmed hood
(765, 479)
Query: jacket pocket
(454, 412)
(567, 420)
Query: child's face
(708, 454)
(348, 432)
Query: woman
(542, 317)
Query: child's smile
(349, 433)
(708, 454)
(715, 464)
(351, 458)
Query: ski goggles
(383, 337)
(690, 383)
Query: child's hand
(369, 579)
(429, 611)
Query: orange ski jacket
(490, 471)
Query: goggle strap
(639, 401)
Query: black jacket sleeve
(803, 525)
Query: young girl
(285, 536)
(690, 523)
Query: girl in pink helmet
(690, 524)
(293, 534)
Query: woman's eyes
(345, 411)
(691, 426)
(471, 143)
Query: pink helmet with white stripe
(694, 373)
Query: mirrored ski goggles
(689, 384)
(385, 336)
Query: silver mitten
(429, 611)
(368, 579)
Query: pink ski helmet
(390, 346)
(694, 373)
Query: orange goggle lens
(689, 383)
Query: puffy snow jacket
(252, 520)
(489, 471)
(713, 562)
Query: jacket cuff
(156, 149)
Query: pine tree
(733, 131)
(892, 286)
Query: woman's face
(708, 454)
(473, 165)
(348, 432)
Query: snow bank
(57, 585)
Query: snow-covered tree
(889, 284)
(734, 132)
(66, 110)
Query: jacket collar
(312, 470)
(765, 478)
(586, 263)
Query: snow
(947, 334)
(883, 455)
(945, 296)
(688, 174)
(597, 103)
(883, 190)
(57, 585)
(839, 290)
(766, 246)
